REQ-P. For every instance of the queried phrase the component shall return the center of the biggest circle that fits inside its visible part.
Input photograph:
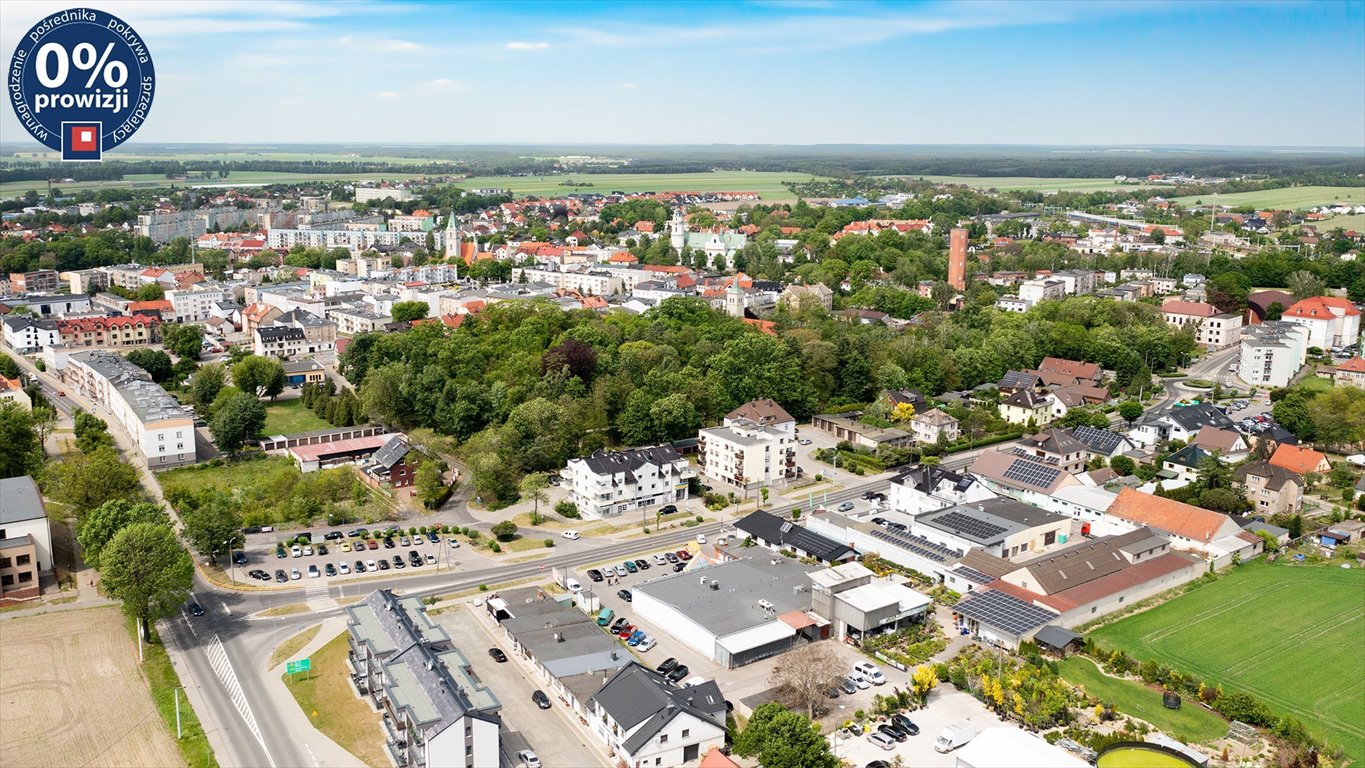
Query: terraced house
(131, 331)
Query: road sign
(302, 665)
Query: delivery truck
(955, 735)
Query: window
(7, 580)
(4, 562)
(686, 732)
(25, 577)
(22, 560)
(663, 739)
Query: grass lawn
(1315, 384)
(1292, 635)
(1354, 222)
(1190, 722)
(326, 696)
(1006, 183)
(767, 184)
(288, 417)
(1291, 198)
(162, 681)
(290, 647)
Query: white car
(646, 644)
(862, 682)
(573, 586)
(308, 549)
(343, 567)
(528, 759)
(294, 574)
(660, 560)
(371, 565)
(570, 535)
(453, 543)
(701, 538)
(296, 551)
(621, 572)
(870, 671)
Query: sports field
(1007, 183)
(1292, 635)
(1288, 198)
(767, 184)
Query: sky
(765, 72)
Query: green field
(1191, 721)
(151, 180)
(767, 184)
(288, 417)
(1288, 198)
(1292, 635)
(1355, 222)
(1007, 183)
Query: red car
(626, 631)
(372, 544)
(683, 555)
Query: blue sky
(777, 72)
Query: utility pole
(178, 734)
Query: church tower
(734, 299)
(678, 230)
(452, 237)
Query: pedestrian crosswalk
(222, 667)
(318, 597)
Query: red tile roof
(1354, 365)
(1196, 308)
(1170, 515)
(1297, 459)
(1321, 307)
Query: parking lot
(548, 732)
(946, 705)
(346, 556)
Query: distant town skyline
(774, 72)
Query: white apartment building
(595, 282)
(1331, 321)
(195, 303)
(609, 483)
(30, 334)
(1272, 353)
(1077, 282)
(646, 721)
(162, 429)
(282, 341)
(351, 321)
(747, 455)
(165, 226)
(355, 240)
(1213, 329)
(399, 194)
(1041, 289)
(929, 426)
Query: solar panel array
(972, 575)
(1032, 473)
(1101, 440)
(916, 545)
(1004, 611)
(1014, 379)
(975, 527)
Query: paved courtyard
(946, 705)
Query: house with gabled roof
(1190, 528)
(927, 487)
(1180, 423)
(1102, 443)
(1300, 460)
(1183, 465)
(646, 721)
(1272, 489)
(1027, 478)
(1229, 445)
(1024, 406)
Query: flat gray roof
(20, 500)
(988, 522)
(733, 605)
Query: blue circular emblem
(81, 82)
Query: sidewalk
(323, 750)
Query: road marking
(225, 606)
(222, 667)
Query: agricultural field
(1290, 634)
(235, 179)
(72, 694)
(1007, 183)
(1288, 198)
(767, 184)
(1349, 223)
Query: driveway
(547, 731)
(946, 705)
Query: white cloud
(626, 86)
(387, 95)
(518, 45)
(446, 84)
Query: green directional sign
(302, 665)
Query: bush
(483, 587)
(699, 518)
(567, 509)
(494, 546)
(549, 543)
(505, 531)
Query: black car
(330, 570)
(398, 562)
(893, 732)
(334, 535)
(678, 673)
(667, 666)
(360, 566)
(433, 538)
(642, 564)
(619, 624)
(879, 521)
(594, 574)
(678, 567)
(306, 536)
(668, 509)
(239, 557)
(670, 557)
(414, 558)
(196, 609)
(358, 533)
(497, 655)
(905, 724)
(259, 575)
(388, 542)
(252, 529)
(383, 565)
(281, 576)
(322, 549)
(541, 699)
(832, 693)
(624, 594)
(878, 764)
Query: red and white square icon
(85, 138)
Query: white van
(870, 671)
(954, 736)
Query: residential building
(351, 321)
(195, 303)
(314, 455)
(1022, 477)
(1331, 321)
(1085, 502)
(763, 412)
(845, 426)
(1183, 465)
(1004, 528)
(25, 540)
(857, 603)
(1041, 289)
(933, 425)
(395, 463)
(319, 334)
(1180, 423)
(125, 331)
(1102, 443)
(1272, 489)
(1026, 407)
(1189, 528)
(1259, 305)
(796, 295)
(13, 389)
(1213, 329)
(746, 454)
(927, 487)
(735, 612)
(1056, 447)
(26, 334)
(769, 530)
(434, 713)
(1011, 303)
(85, 280)
(1060, 371)
(1079, 282)
(165, 226)
(300, 372)
(610, 483)
(280, 341)
(1272, 352)
(162, 429)
(1350, 373)
(37, 281)
(368, 192)
(1228, 444)
(644, 720)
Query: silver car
(882, 740)
(621, 571)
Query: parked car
(334, 535)
(871, 671)
(847, 506)
(573, 586)
(343, 569)
(541, 699)
(497, 655)
(388, 542)
(330, 570)
(281, 576)
(239, 558)
(642, 564)
(358, 533)
(619, 571)
(905, 724)
(398, 562)
(433, 538)
(383, 565)
(528, 759)
(296, 551)
(431, 559)
(280, 553)
(595, 575)
(631, 567)
(195, 609)
(666, 665)
(322, 549)
(848, 685)
(668, 509)
(678, 673)
(570, 535)
(404, 541)
(683, 554)
(618, 625)
(859, 681)
(626, 631)
(414, 558)
(882, 740)
(313, 571)
(670, 557)
(372, 544)
(624, 594)
(371, 565)
(453, 543)
(646, 644)
(804, 441)
(294, 574)
(679, 567)
(360, 566)
(345, 546)
(635, 638)
(893, 732)
(259, 575)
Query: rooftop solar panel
(974, 527)
(972, 575)
(1004, 611)
(1032, 473)
(916, 544)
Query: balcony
(398, 753)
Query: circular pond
(1142, 756)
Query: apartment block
(747, 454)
(1272, 352)
(25, 540)
(158, 424)
(610, 483)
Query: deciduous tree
(805, 676)
(145, 567)
(780, 738)
(235, 421)
(101, 524)
(85, 481)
